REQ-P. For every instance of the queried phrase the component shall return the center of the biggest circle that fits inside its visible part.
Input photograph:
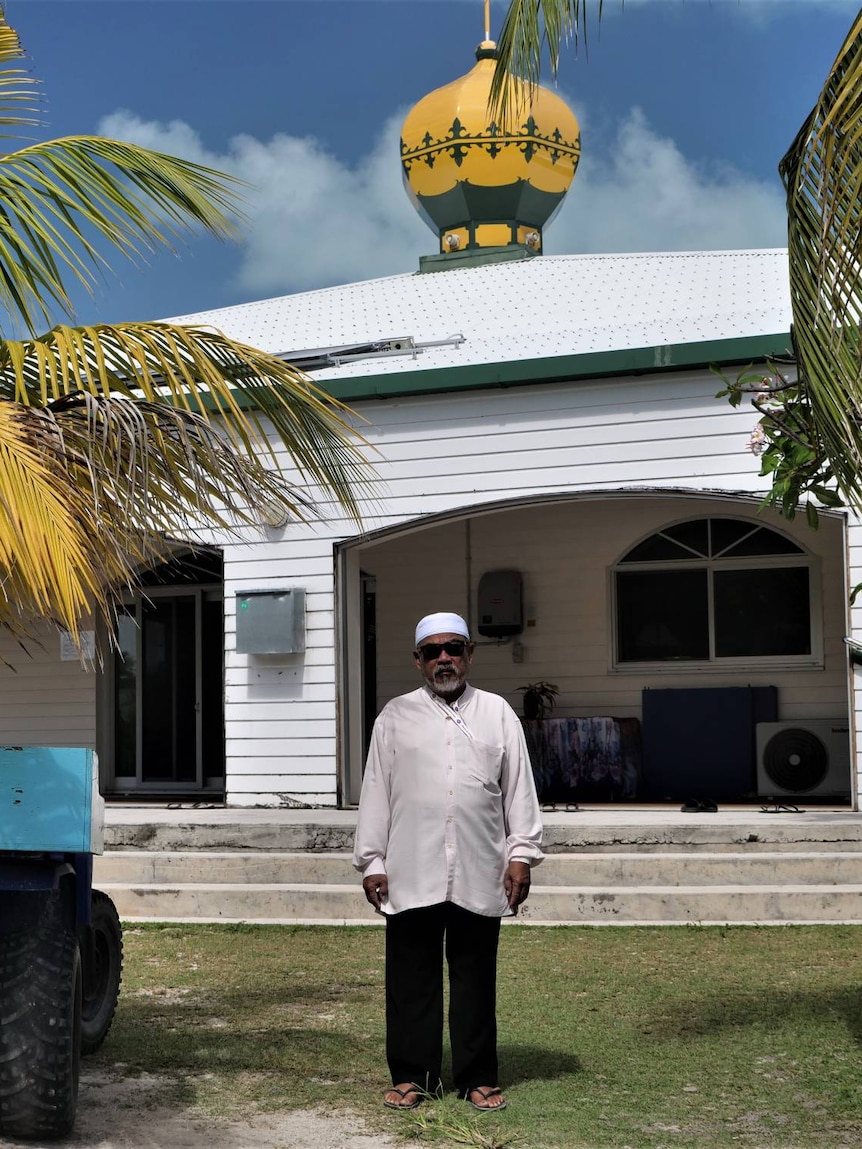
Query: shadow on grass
(520, 1063)
(772, 1009)
(153, 1041)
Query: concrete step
(663, 905)
(593, 831)
(603, 866)
(335, 903)
(270, 867)
(604, 888)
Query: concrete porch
(605, 865)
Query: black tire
(103, 988)
(40, 1031)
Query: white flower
(757, 440)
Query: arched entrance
(568, 551)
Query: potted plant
(540, 698)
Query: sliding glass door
(167, 696)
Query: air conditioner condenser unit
(805, 759)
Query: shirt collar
(458, 704)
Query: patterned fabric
(596, 759)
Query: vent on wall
(803, 759)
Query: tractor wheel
(102, 989)
(40, 1031)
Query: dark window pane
(655, 549)
(683, 541)
(169, 691)
(693, 534)
(724, 533)
(764, 542)
(662, 615)
(125, 696)
(762, 612)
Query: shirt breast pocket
(487, 766)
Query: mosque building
(551, 461)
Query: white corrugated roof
(548, 306)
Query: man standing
(448, 828)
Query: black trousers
(414, 995)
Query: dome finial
(487, 19)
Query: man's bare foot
(484, 1097)
(404, 1096)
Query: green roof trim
(557, 368)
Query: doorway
(166, 687)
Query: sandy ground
(124, 1114)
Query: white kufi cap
(443, 622)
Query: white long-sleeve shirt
(448, 800)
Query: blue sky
(686, 106)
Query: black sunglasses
(431, 650)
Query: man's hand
(517, 883)
(376, 888)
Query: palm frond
(235, 391)
(19, 101)
(114, 437)
(529, 27)
(149, 468)
(822, 174)
(59, 198)
(56, 556)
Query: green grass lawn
(638, 1037)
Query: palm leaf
(19, 102)
(529, 27)
(822, 174)
(115, 438)
(55, 555)
(238, 393)
(60, 198)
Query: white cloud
(313, 220)
(644, 195)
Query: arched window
(711, 589)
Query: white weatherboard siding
(280, 709)
(611, 441)
(45, 701)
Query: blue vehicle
(61, 947)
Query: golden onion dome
(478, 184)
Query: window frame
(802, 558)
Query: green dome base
(474, 257)
(520, 203)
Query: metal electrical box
(499, 604)
(270, 621)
